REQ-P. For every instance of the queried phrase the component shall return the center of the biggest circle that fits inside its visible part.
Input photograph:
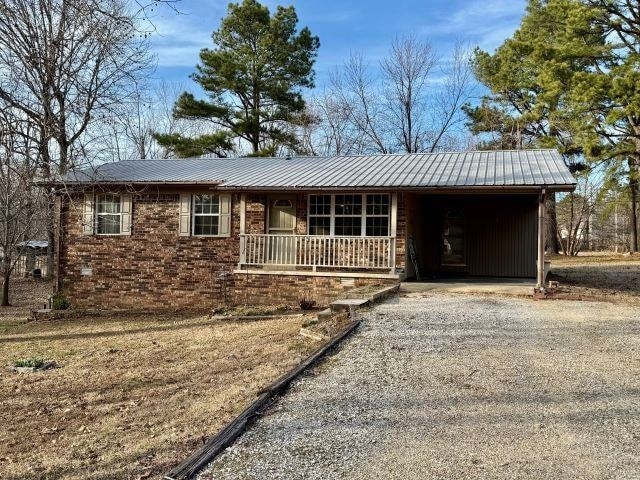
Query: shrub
(32, 362)
(306, 304)
(60, 302)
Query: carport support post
(541, 231)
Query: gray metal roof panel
(427, 170)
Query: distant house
(30, 257)
(195, 232)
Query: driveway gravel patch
(460, 386)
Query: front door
(282, 215)
(453, 251)
(282, 227)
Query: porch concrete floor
(502, 286)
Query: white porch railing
(317, 251)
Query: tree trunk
(552, 225)
(51, 234)
(5, 288)
(633, 188)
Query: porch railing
(317, 251)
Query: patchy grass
(32, 362)
(602, 276)
(132, 396)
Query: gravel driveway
(460, 386)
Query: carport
(473, 235)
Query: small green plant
(310, 323)
(59, 302)
(32, 362)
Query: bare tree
(357, 91)
(66, 65)
(131, 133)
(333, 132)
(406, 104)
(455, 92)
(18, 197)
(574, 212)
(405, 75)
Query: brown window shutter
(185, 215)
(125, 209)
(225, 216)
(88, 221)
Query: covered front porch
(318, 234)
(318, 254)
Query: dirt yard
(131, 396)
(598, 276)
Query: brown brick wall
(152, 268)
(255, 214)
(289, 289)
(155, 268)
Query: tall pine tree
(531, 77)
(253, 79)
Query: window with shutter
(108, 214)
(205, 215)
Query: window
(349, 215)
(319, 214)
(377, 215)
(453, 238)
(282, 203)
(108, 214)
(206, 215)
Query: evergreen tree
(531, 77)
(606, 99)
(253, 79)
(569, 78)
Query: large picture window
(352, 215)
(108, 214)
(206, 215)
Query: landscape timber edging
(193, 464)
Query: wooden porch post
(541, 231)
(393, 233)
(243, 241)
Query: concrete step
(347, 303)
(324, 314)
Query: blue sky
(366, 26)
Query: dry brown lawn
(132, 396)
(601, 276)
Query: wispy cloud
(486, 23)
(366, 26)
(178, 39)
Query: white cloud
(178, 38)
(486, 23)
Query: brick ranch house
(196, 233)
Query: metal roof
(513, 168)
(33, 244)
